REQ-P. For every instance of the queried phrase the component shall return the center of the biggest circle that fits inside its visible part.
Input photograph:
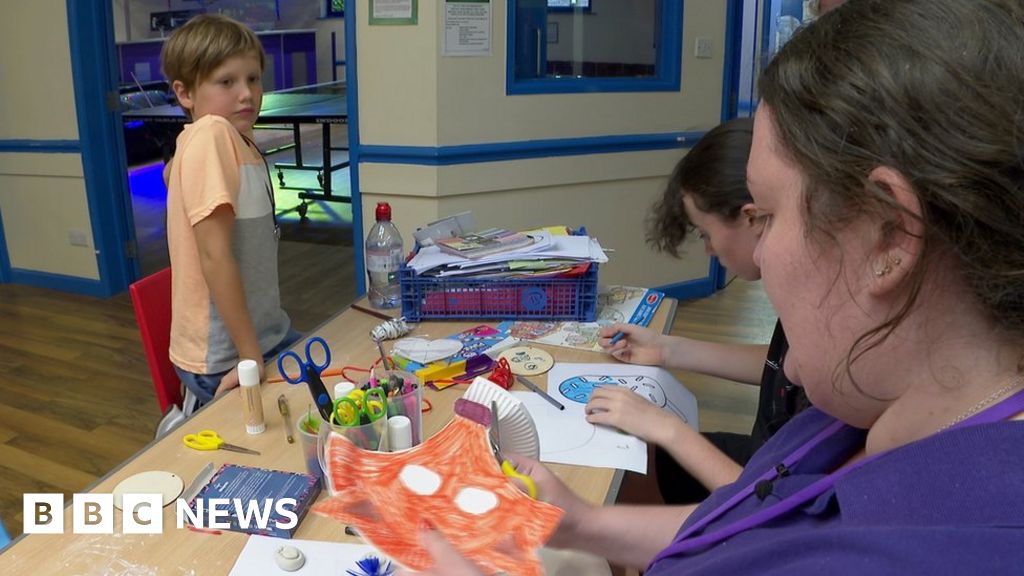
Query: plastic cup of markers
(409, 405)
(408, 402)
(369, 436)
(309, 439)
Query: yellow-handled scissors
(360, 407)
(507, 468)
(210, 440)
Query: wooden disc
(167, 484)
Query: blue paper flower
(372, 566)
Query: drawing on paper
(579, 388)
(452, 481)
(614, 304)
(532, 330)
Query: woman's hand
(553, 491)
(638, 345)
(447, 560)
(626, 410)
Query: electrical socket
(78, 238)
(703, 48)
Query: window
(557, 46)
(335, 9)
(568, 5)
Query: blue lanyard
(684, 544)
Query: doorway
(317, 261)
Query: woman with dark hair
(707, 193)
(888, 163)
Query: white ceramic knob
(289, 558)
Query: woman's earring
(890, 263)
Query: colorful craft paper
(452, 483)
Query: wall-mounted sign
(393, 12)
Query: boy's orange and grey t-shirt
(214, 166)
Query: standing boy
(221, 228)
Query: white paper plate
(515, 425)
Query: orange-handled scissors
(210, 440)
(507, 468)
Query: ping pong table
(323, 104)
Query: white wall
(411, 96)
(42, 196)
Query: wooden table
(184, 552)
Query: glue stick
(252, 401)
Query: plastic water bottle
(383, 259)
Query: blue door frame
(101, 146)
(351, 80)
(95, 77)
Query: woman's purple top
(952, 503)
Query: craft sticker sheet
(565, 435)
(614, 304)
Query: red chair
(151, 298)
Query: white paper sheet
(567, 438)
(565, 435)
(322, 558)
(580, 248)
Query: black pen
(542, 393)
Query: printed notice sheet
(467, 28)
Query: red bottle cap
(383, 211)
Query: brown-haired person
(888, 162)
(221, 230)
(706, 193)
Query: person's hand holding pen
(636, 345)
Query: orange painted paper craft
(451, 482)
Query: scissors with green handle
(210, 440)
(507, 468)
(358, 408)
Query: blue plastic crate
(513, 299)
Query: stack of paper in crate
(498, 253)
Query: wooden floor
(76, 398)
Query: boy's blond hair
(204, 43)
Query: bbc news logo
(143, 513)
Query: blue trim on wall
(730, 53)
(354, 147)
(74, 284)
(500, 151)
(94, 73)
(668, 73)
(689, 290)
(41, 146)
